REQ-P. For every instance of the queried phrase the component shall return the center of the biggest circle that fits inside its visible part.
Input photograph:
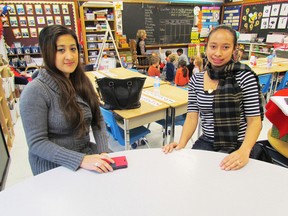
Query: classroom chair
(136, 135)
(139, 62)
(283, 83)
(265, 83)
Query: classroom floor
(19, 168)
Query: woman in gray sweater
(59, 107)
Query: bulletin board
(25, 20)
(263, 18)
(231, 16)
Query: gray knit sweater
(51, 140)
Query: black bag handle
(129, 84)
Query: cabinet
(258, 49)
(93, 25)
(7, 100)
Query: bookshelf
(6, 99)
(94, 26)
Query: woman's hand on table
(97, 162)
(170, 147)
(236, 160)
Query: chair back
(284, 82)
(132, 44)
(118, 133)
(112, 127)
(264, 81)
(138, 61)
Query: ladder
(99, 57)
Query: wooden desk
(175, 97)
(279, 65)
(147, 113)
(150, 110)
(185, 182)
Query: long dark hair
(182, 64)
(77, 84)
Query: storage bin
(91, 38)
(22, 63)
(90, 16)
(91, 45)
(14, 63)
(27, 49)
(93, 53)
(11, 51)
(35, 49)
(19, 50)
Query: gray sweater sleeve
(35, 106)
(100, 137)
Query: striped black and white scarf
(226, 105)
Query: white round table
(185, 182)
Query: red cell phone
(120, 162)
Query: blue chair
(265, 84)
(134, 70)
(118, 133)
(284, 82)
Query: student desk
(175, 97)
(151, 110)
(185, 182)
(278, 65)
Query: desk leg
(126, 134)
(172, 133)
(166, 128)
(276, 83)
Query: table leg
(166, 128)
(126, 134)
(172, 132)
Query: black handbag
(120, 93)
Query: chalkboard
(264, 18)
(164, 24)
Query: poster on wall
(12, 9)
(38, 9)
(58, 20)
(47, 9)
(65, 9)
(50, 20)
(22, 21)
(16, 33)
(33, 32)
(20, 9)
(67, 20)
(31, 21)
(25, 32)
(41, 20)
(56, 9)
(29, 9)
(231, 16)
(13, 21)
